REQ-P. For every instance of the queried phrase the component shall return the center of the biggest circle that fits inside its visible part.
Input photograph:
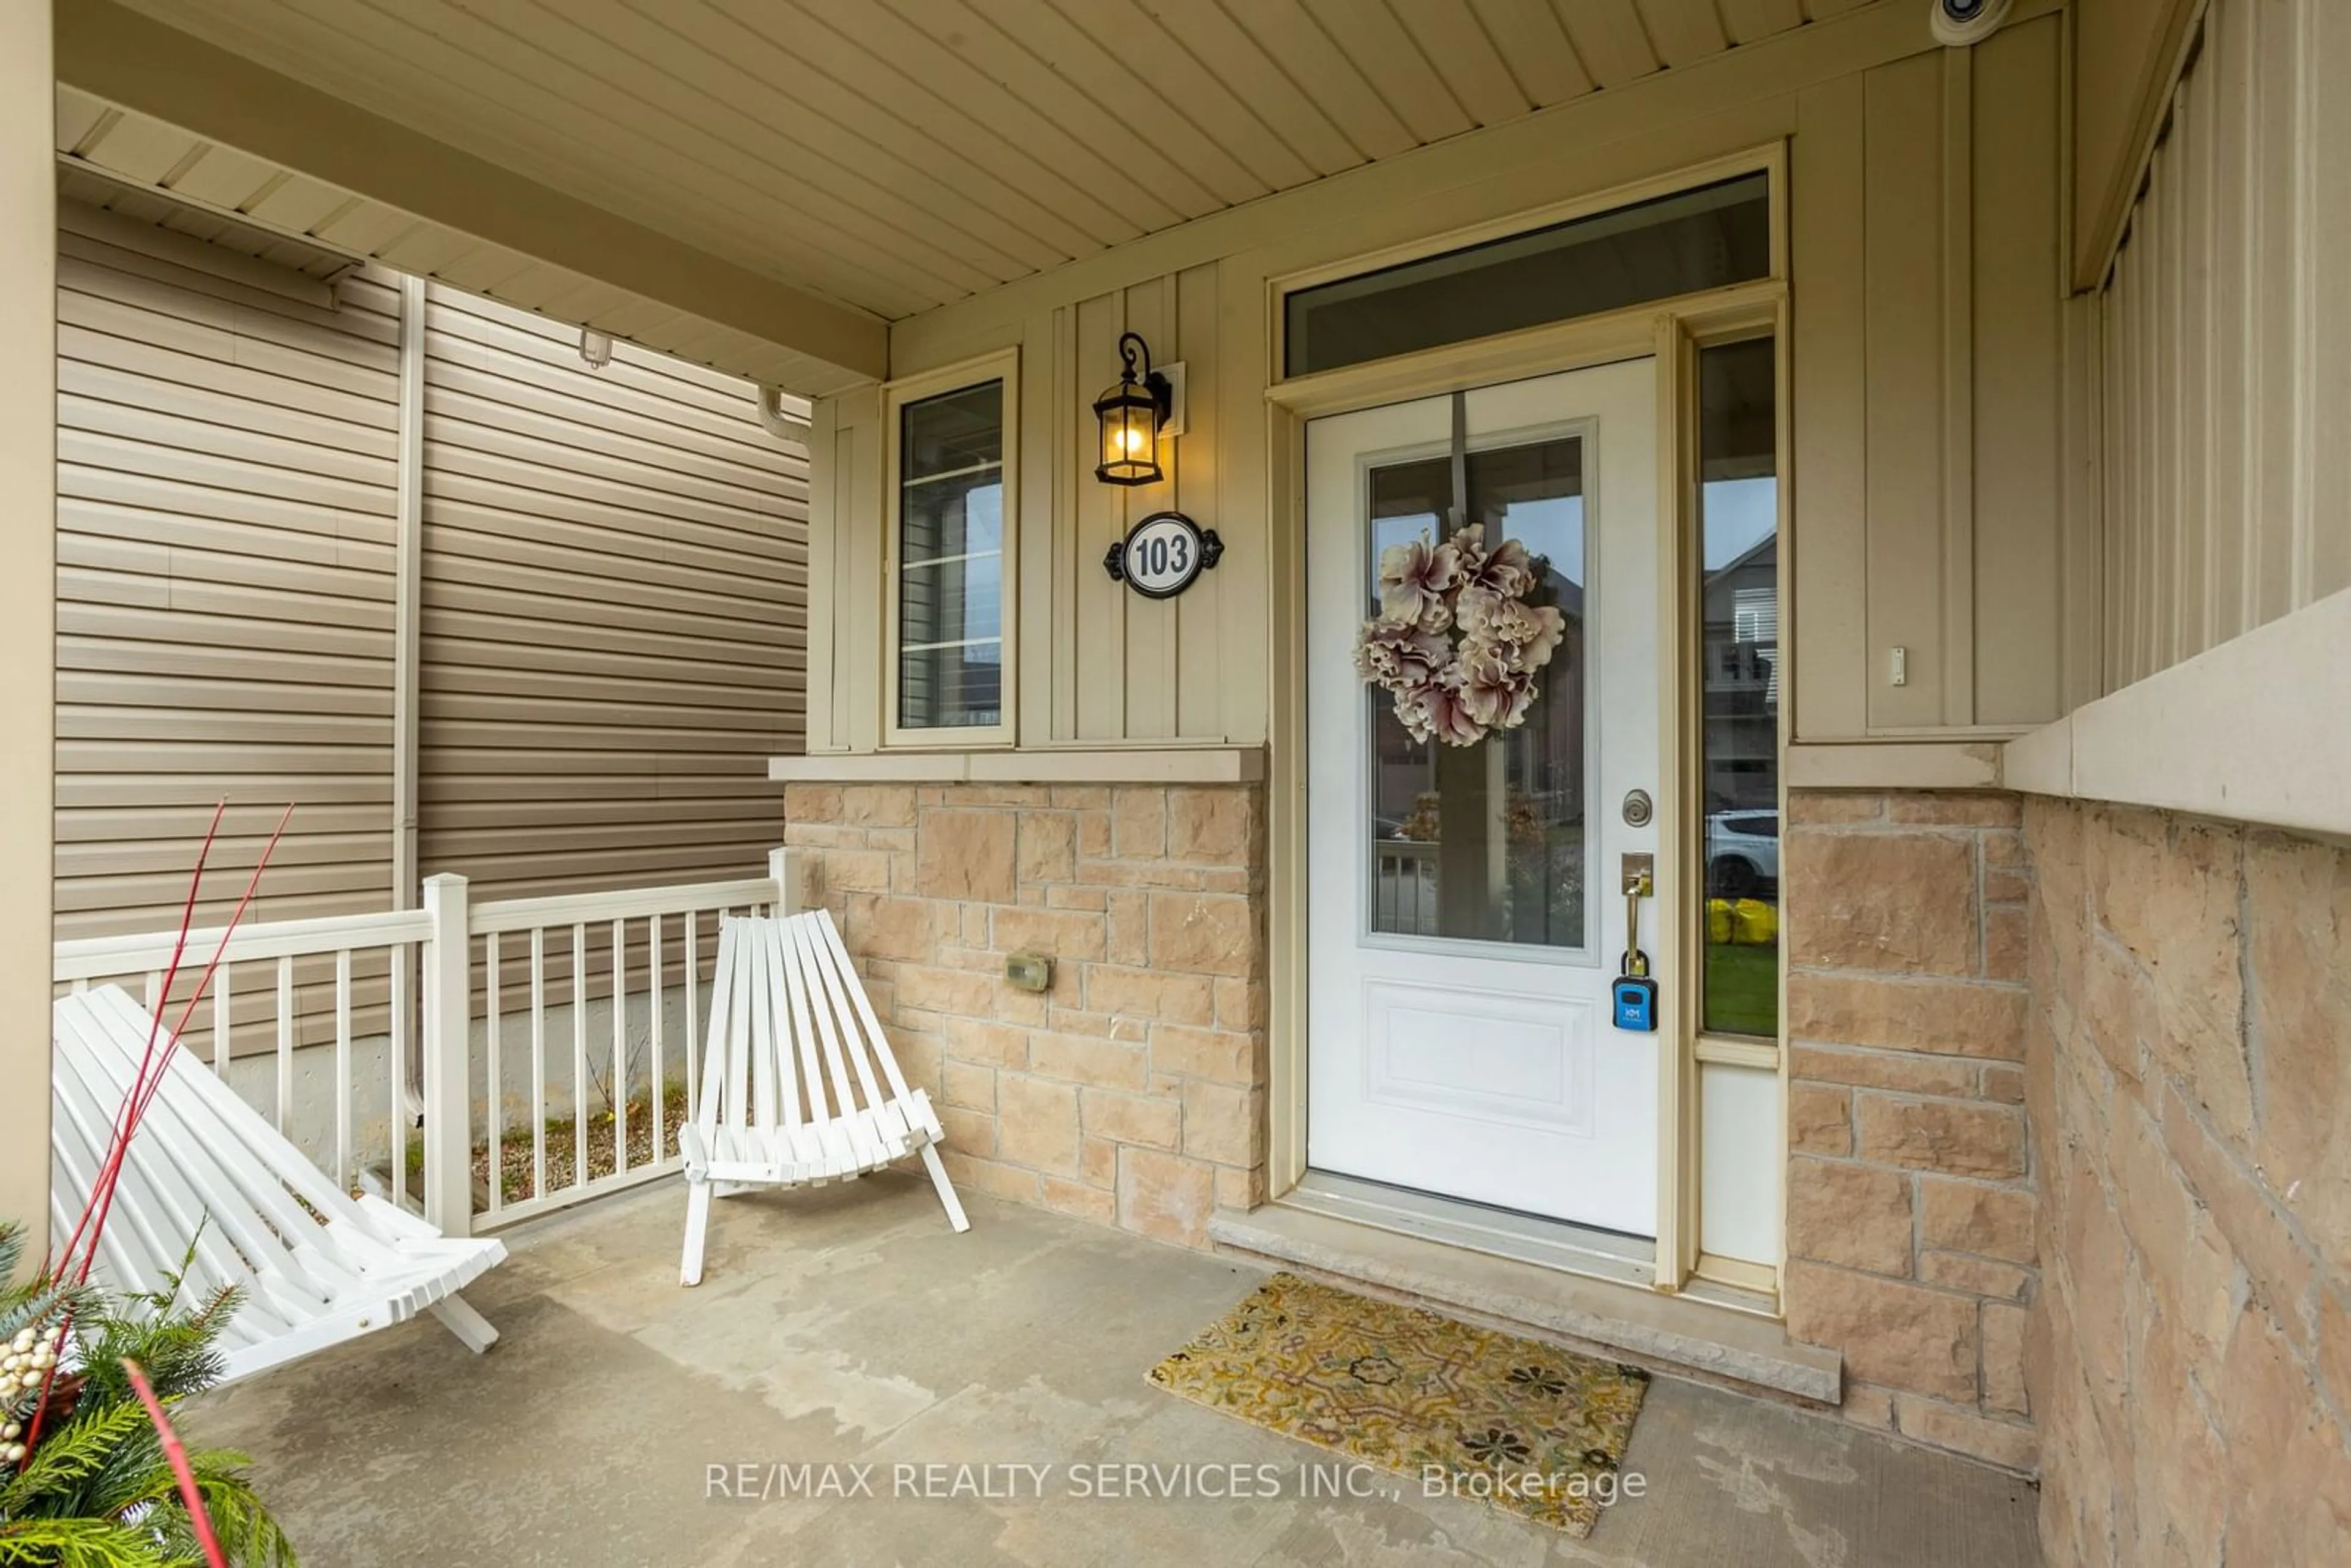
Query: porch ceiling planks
(224, 197)
(896, 155)
(168, 102)
(1611, 36)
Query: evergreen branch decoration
(99, 1491)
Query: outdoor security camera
(1959, 23)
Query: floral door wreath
(1455, 642)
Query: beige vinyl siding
(615, 603)
(2226, 342)
(225, 485)
(613, 607)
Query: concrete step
(1680, 1335)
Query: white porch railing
(1403, 887)
(672, 933)
(380, 946)
(653, 946)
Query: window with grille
(952, 530)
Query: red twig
(176, 1452)
(252, 884)
(125, 1119)
(145, 1083)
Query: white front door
(1465, 907)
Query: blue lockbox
(1636, 1003)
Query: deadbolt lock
(1638, 808)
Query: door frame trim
(1672, 330)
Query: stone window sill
(2249, 731)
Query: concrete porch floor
(848, 1324)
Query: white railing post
(789, 870)
(448, 1121)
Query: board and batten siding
(1928, 352)
(226, 478)
(615, 604)
(2225, 370)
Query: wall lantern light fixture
(1133, 414)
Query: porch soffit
(152, 123)
(897, 155)
(101, 208)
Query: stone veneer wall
(2191, 1091)
(1910, 1178)
(1132, 1090)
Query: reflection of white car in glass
(1742, 852)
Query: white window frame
(1004, 367)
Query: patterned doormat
(1525, 1426)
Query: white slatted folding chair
(789, 1021)
(316, 1265)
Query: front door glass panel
(1487, 842)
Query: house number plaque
(1162, 555)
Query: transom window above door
(1707, 237)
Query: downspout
(408, 534)
(778, 423)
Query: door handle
(1639, 882)
(1632, 996)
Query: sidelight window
(1739, 593)
(950, 543)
